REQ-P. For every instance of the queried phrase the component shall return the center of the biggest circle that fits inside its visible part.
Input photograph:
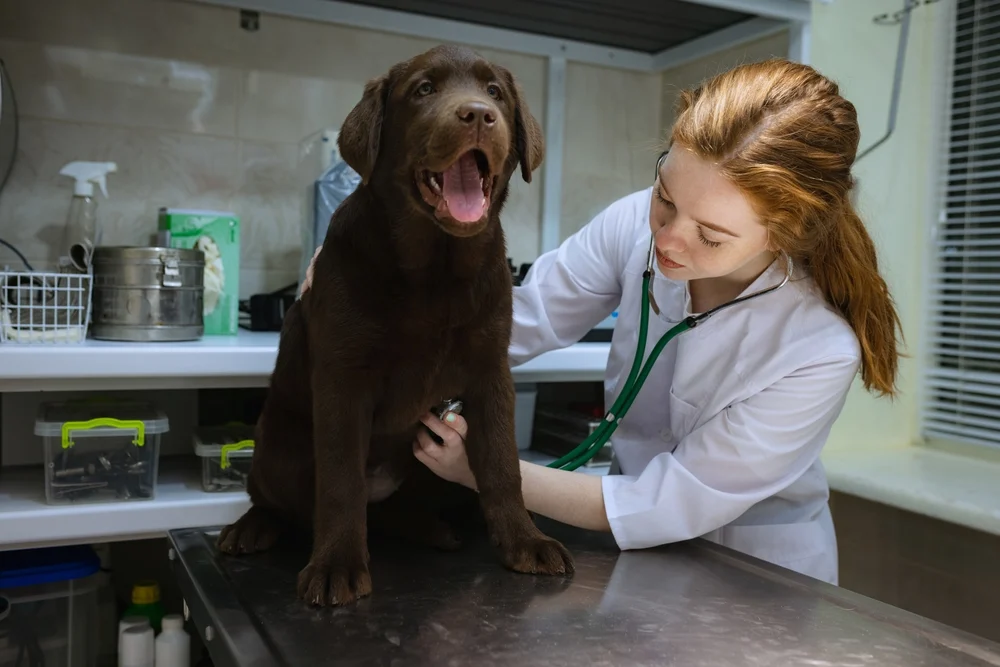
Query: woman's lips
(666, 262)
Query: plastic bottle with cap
(146, 602)
(137, 647)
(130, 622)
(173, 646)
(81, 223)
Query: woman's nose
(668, 240)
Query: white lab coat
(723, 440)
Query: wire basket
(39, 307)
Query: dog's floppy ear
(362, 129)
(528, 133)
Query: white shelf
(27, 521)
(244, 360)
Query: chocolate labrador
(411, 303)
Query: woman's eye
(425, 89)
(662, 199)
(709, 243)
(493, 91)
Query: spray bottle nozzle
(87, 174)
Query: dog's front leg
(337, 572)
(492, 452)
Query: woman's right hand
(307, 282)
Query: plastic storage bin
(226, 454)
(53, 611)
(100, 450)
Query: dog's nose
(477, 112)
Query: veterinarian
(724, 438)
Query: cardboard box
(217, 234)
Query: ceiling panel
(640, 25)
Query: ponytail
(844, 265)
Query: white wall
(896, 182)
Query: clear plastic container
(53, 607)
(100, 450)
(226, 454)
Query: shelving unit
(245, 360)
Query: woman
(724, 439)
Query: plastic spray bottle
(81, 223)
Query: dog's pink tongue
(463, 190)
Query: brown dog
(410, 304)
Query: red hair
(782, 133)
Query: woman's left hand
(447, 460)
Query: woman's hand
(447, 460)
(307, 282)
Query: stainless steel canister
(148, 294)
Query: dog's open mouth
(462, 191)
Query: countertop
(693, 604)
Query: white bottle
(130, 622)
(136, 647)
(173, 646)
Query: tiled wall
(932, 568)
(200, 113)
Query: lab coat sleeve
(570, 289)
(746, 453)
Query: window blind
(962, 381)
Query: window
(963, 376)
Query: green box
(217, 234)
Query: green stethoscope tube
(588, 449)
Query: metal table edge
(198, 571)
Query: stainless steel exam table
(693, 605)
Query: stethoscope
(636, 377)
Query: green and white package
(217, 234)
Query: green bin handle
(136, 425)
(235, 447)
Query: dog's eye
(493, 90)
(425, 89)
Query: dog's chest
(425, 362)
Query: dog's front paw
(537, 554)
(334, 581)
(257, 530)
